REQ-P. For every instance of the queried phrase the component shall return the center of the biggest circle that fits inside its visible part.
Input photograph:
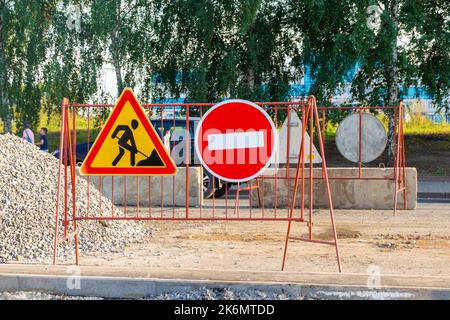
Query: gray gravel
(28, 179)
(201, 294)
(226, 294)
(32, 295)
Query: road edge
(137, 288)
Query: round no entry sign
(236, 140)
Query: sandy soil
(412, 243)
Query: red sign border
(128, 96)
(275, 144)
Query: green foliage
(24, 41)
(333, 38)
(209, 50)
(420, 125)
(74, 57)
(410, 48)
(428, 24)
(124, 31)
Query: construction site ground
(411, 249)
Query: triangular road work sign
(128, 144)
(295, 139)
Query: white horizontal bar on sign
(240, 140)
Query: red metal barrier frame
(310, 115)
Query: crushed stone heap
(28, 187)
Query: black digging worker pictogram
(127, 142)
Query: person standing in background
(43, 144)
(28, 134)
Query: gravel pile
(28, 181)
(226, 294)
(199, 294)
(32, 295)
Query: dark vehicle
(177, 141)
(178, 144)
(82, 150)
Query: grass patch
(419, 125)
(54, 124)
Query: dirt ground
(412, 243)
(430, 162)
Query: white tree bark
(393, 76)
(115, 50)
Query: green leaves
(24, 41)
(413, 39)
(217, 49)
(208, 50)
(428, 23)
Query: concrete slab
(153, 191)
(374, 194)
(125, 283)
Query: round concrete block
(373, 137)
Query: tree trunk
(116, 61)
(251, 79)
(118, 71)
(6, 114)
(393, 81)
(5, 107)
(115, 50)
(250, 75)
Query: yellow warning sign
(128, 144)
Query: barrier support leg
(400, 162)
(73, 184)
(327, 185)
(300, 164)
(62, 147)
(313, 113)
